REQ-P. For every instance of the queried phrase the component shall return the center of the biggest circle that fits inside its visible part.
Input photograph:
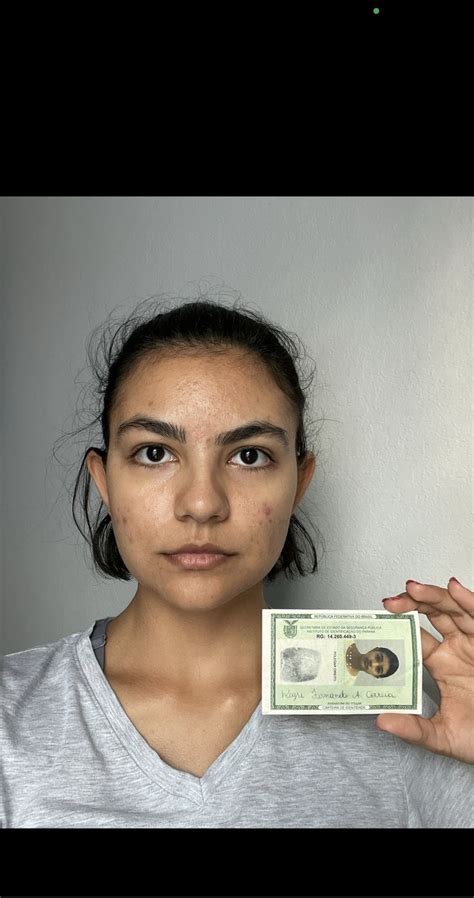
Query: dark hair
(394, 662)
(200, 325)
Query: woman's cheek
(273, 523)
(123, 528)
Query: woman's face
(376, 662)
(199, 491)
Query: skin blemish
(267, 510)
(124, 521)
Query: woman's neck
(186, 651)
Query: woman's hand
(450, 662)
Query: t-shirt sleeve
(439, 789)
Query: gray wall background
(378, 288)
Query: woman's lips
(197, 560)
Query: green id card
(341, 662)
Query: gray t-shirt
(70, 757)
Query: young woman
(153, 718)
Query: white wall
(379, 290)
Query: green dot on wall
(376, 10)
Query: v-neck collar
(178, 782)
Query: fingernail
(456, 581)
(392, 598)
(414, 581)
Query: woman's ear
(305, 476)
(98, 473)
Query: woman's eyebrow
(177, 432)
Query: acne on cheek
(267, 512)
(124, 521)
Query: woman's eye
(154, 451)
(250, 451)
(154, 455)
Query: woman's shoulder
(25, 671)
